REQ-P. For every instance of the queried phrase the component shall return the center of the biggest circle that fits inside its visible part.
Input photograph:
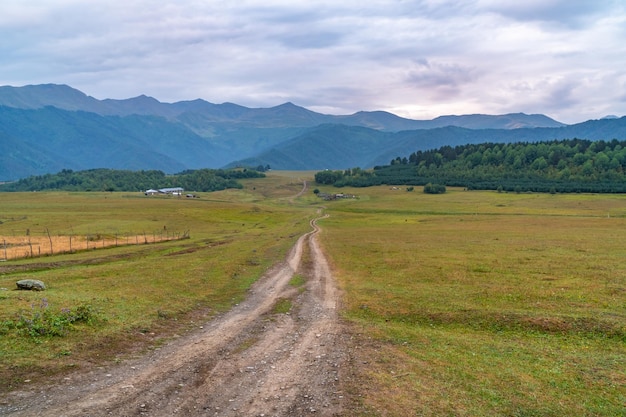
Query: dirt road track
(247, 362)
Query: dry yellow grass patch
(17, 247)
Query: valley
(464, 303)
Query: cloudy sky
(416, 58)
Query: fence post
(50, 239)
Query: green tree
(328, 177)
(434, 188)
(539, 164)
(602, 161)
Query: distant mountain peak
(39, 96)
(289, 106)
(143, 99)
(288, 113)
(502, 121)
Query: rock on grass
(31, 285)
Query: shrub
(434, 188)
(42, 321)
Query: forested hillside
(559, 166)
(124, 180)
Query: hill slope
(48, 140)
(341, 147)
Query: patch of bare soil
(247, 362)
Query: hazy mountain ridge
(50, 127)
(286, 114)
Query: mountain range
(47, 128)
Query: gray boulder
(31, 285)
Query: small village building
(172, 191)
(167, 191)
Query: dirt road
(247, 362)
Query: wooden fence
(28, 246)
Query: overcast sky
(415, 58)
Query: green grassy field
(461, 304)
(482, 304)
(135, 296)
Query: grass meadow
(483, 304)
(135, 296)
(461, 304)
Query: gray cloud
(418, 58)
(449, 77)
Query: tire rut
(247, 362)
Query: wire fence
(31, 246)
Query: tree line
(572, 165)
(200, 180)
